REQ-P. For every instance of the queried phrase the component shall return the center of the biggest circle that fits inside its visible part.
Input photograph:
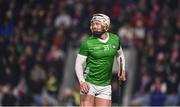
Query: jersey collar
(105, 40)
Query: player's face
(96, 26)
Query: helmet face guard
(104, 19)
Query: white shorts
(103, 92)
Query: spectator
(172, 90)
(8, 98)
(157, 96)
(63, 19)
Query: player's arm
(80, 60)
(120, 55)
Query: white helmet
(104, 19)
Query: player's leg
(102, 102)
(104, 96)
(87, 100)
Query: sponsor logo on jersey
(97, 48)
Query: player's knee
(87, 103)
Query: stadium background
(39, 40)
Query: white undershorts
(103, 92)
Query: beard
(97, 34)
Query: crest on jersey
(113, 46)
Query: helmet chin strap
(98, 34)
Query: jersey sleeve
(83, 48)
(119, 45)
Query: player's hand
(122, 76)
(84, 87)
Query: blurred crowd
(35, 36)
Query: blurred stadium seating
(36, 35)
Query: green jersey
(100, 58)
